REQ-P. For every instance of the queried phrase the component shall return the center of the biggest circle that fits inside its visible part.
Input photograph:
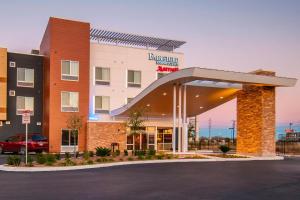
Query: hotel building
(105, 76)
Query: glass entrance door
(164, 139)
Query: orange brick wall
(64, 40)
(102, 134)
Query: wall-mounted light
(197, 96)
(164, 93)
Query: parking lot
(214, 180)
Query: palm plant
(135, 123)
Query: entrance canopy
(205, 90)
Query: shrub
(169, 156)
(160, 156)
(130, 159)
(151, 152)
(57, 156)
(41, 158)
(69, 162)
(102, 151)
(50, 159)
(118, 152)
(125, 152)
(224, 149)
(13, 160)
(141, 157)
(30, 161)
(90, 162)
(77, 154)
(139, 152)
(67, 155)
(149, 157)
(86, 155)
(91, 153)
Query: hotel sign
(163, 60)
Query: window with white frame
(69, 138)
(25, 103)
(102, 104)
(134, 78)
(25, 77)
(70, 70)
(102, 76)
(69, 101)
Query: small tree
(74, 124)
(191, 131)
(135, 123)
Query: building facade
(103, 77)
(24, 91)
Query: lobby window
(70, 70)
(102, 76)
(134, 78)
(25, 103)
(69, 101)
(102, 104)
(25, 77)
(69, 139)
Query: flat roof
(206, 89)
(134, 40)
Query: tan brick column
(256, 119)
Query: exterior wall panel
(3, 84)
(65, 40)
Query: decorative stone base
(103, 134)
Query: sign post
(26, 121)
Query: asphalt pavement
(211, 180)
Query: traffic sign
(26, 118)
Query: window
(129, 99)
(102, 76)
(69, 139)
(159, 75)
(12, 64)
(25, 77)
(70, 70)
(25, 103)
(102, 104)
(134, 78)
(69, 101)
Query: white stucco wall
(120, 59)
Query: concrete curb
(102, 165)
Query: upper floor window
(25, 77)
(134, 78)
(69, 101)
(159, 75)
(102, 76)
(70, 70)
(25, 104)
(102, 104)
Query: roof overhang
(206, 89)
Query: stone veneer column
(256, 119)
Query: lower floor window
(25, 104)
(69, 138)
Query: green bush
(160, 156)
(13, 160)
(130, 159)
(68, 162)
(125, 152)
(29, 161)
(139, 152)
(224, 149)
(90, 162)
(151, 152)
(86, 155)
(50, 159)
(91, 153)
(67, 155)
(141, 157)
(118, 152)
(149, 157)
(41, 158)
(102, 151)
(57, 156)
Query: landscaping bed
(102, 155)
(227, 156)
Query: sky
(230, 35)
